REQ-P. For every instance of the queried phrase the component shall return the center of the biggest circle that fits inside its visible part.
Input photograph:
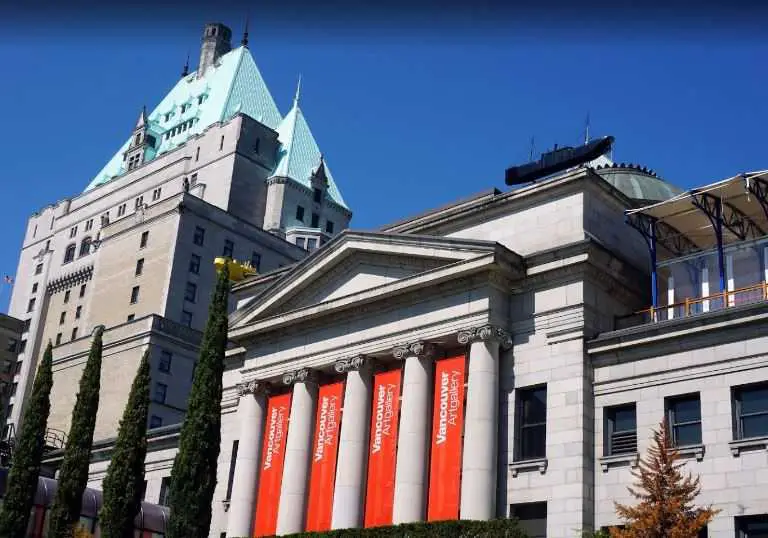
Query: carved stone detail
(485, 333)
(414, 349)
(343, 366)
(303, 375)
(252, 387)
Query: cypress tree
(73, 475)
(28, 452)
(125, 476)
(193, 477)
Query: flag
(8, 279)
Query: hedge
(507, 528)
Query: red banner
(325, 447)
(272, 459)
(447, 425)
(380, 496)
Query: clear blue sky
(408, 120)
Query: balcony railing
(696, 305)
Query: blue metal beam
(759, 188)
(712, 207)
(647, 225)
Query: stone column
(298, 450)
(481, 424)
(251, 409)
(413, 435)
(349, 489)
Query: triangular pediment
(355, 263)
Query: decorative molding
(414, 349)
(540, 465)
(349, 364)
(252, 387)
(303, 375)
(696, 451)
(616, 460)
(486, 333)
(755, 443)
(79, 276)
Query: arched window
(69, 254)
(85, 247)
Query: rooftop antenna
(185, 71)
(586, 133)
(244, 41)
(533, 149)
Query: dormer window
(137, 141)
(201, 99)
(168, 116)
(184, 107)
(318, 195)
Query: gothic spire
(298, 93)
(185, 71)
(244, 41)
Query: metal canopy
(738, 204)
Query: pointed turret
(140, 141)
(185, 71)
(244, 41)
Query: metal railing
(55, 439)
(692, 306)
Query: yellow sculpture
(237, 270)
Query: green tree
(28, 452)
(125, 476)
(193, 477)
(73, 475)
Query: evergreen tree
(73, 475)
(28, 452)
(125, 476)
(193, 477)
(666, 508)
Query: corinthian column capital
(303, 375)
(348, 364)
(414, 349)
(485, 333)
(252, 387)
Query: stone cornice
(83, 274)
(486, 333)
(253, 388)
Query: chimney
(216, 42)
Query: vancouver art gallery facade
(376, 381)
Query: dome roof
(636, 182)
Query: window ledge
(226, 503)
(539, 464)
(751, 443)
(696, 451)
(618, 459)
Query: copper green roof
(234, 85)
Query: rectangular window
(232, 462)
(139, 266)
(165, 361)
(318, 195)
(82, 291)
(135, 295)
(58, 338)
(752, 526)
(186, 318)
(221, 143)
(531, 434)
(105, 219)
(299, 213)
(72, 232)
(66, 296)
(74, 333)
(621, 430)
(131, 317)
(14, 388)
(197, 154)
(27, 324)
(62, 317)
(78, 312)
(190, 292)
(315, 220)
(121, 210)
(165, 489)
(34, 287)
(229, 248)
(39, 268)
(684, 420)
(750, 409)
(144, 239)
(31, 305)
(301, 242)
(161, 390)
(11, 345)
(88, 225)
(22, 346)
(139, 202)
(155, 421)
(194, 264)
(329, 226)
(532, 518)
(256, 260)
(193, 179)
(199, 237)
(156, 194)
(17, 367)
(311, 243)
(144, 490)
